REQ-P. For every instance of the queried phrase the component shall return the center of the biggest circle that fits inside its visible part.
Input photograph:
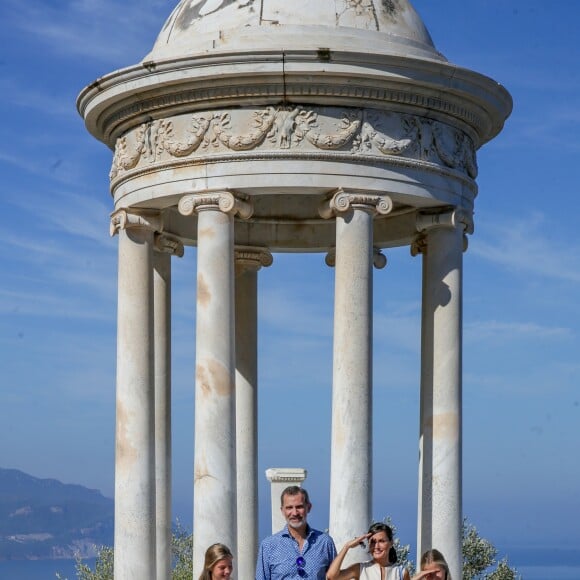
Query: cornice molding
(121, 100)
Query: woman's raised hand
(359, 541)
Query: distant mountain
(46, 519)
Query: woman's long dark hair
(380, 527)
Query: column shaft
(214, 515)
(351, 458)
(134, 456)
(162, 325)
(441, 396)
(247, 419)
(425, 491)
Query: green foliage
(181, 551)
(504, 572)
(479, 555)
(103, 566)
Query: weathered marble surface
(266, 109)
(224, 25)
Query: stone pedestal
(280, 478)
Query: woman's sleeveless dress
(372, 571)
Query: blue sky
(521, 302)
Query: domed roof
(375, 26)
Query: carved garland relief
(294, 130)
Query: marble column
(165, 246)
(135, 439)
(351, 444)
(248, 261)
(440, 440)
(214, 502)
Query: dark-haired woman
(384, 557)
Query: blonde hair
(213, 555)
(435, 557)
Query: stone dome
(285, 102)
(379, 26)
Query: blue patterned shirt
(278, 554)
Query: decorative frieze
(295, 132)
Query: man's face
(295, 510)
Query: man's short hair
(294, 490)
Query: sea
(39, 569)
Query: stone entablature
(295, 131)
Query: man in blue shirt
(297, 551)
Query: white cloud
(106, 30)
(523, 246)
(548, 378)
(508, 331)
(13, 93)
(69, 213)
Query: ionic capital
(223, 201)
(342, 201)
(252, 258)
(124, 219)
(449, 219)
(167, 244)
(419, 244)
(379, 259)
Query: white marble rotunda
(262, 126)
